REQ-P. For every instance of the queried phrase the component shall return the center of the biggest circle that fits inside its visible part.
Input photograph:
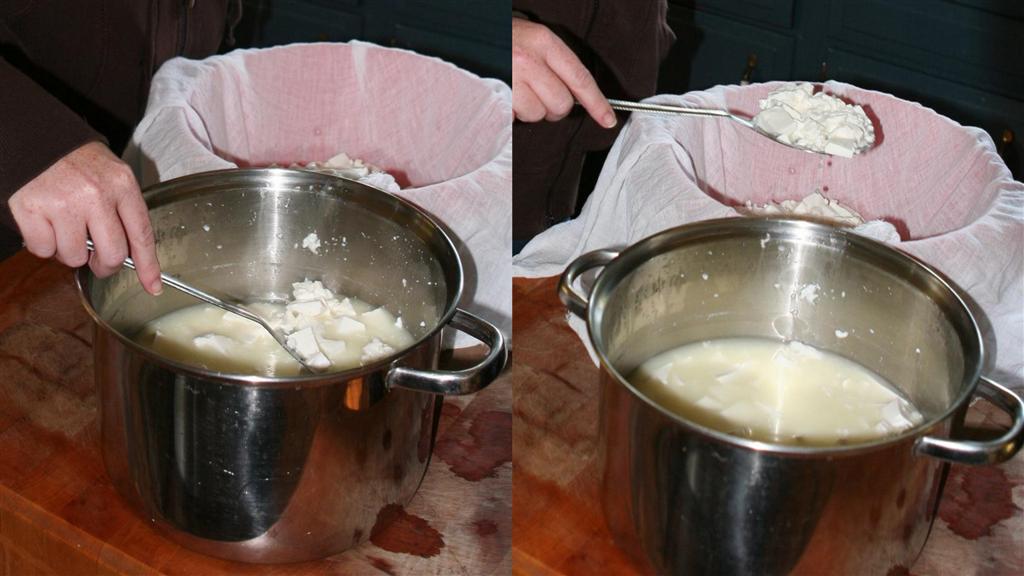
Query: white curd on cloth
(354, 169)
(814, 206)
(818, 208)
(783, 392)
(329, 332)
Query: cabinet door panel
(771, 12)
(475, 34)
(960, 43)
(485, 21)
(484, 59)
(1008, 8)
(712, 50)
(287, 21)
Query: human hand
(89, 191)
(547, 78)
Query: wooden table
(60, 515)
(558, 526)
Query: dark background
(473, 34)
(963, 58)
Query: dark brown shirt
(74, 72)
(622, 43)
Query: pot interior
(789, 280)
(238, 234)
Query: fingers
(580, 83)
(70, 232)
(88, 191)
(135, 217)
(549, 89)
(35, 230)
(109, 239)
(548, 79)
(527, 106)
(526, 61)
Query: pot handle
(989, 451)
(574, 300)
(458, 382)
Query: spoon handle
(213, 300)
(665, 108)
(706, 112)
(182, 287)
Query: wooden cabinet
(474, 34)
(964, 58)
(712, 49)
(266, 23)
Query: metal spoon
(683, 111)
(210, 299)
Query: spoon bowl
(669, 110)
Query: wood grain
(60, 515)
(559, 528)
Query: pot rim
(84, 276)
(661, 242)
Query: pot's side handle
(457, 382)
(988, 452)
(573, 299)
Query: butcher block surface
(558, 526)
(60, 515)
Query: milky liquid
(773, 391)
(347, 332)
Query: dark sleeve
(36, 130)
(622, 42)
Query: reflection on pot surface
(696, 500)
(280, 469)
(231, 465)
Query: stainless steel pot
(698, 501)
(280, 469)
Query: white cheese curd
(329, 332)
(375, 349)
(795, 115)
(312, 242)
(789, 393)
(215, 343)
(813, 206)
(343, 165)
(346, 326)
(818, 208)
(809, 293)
